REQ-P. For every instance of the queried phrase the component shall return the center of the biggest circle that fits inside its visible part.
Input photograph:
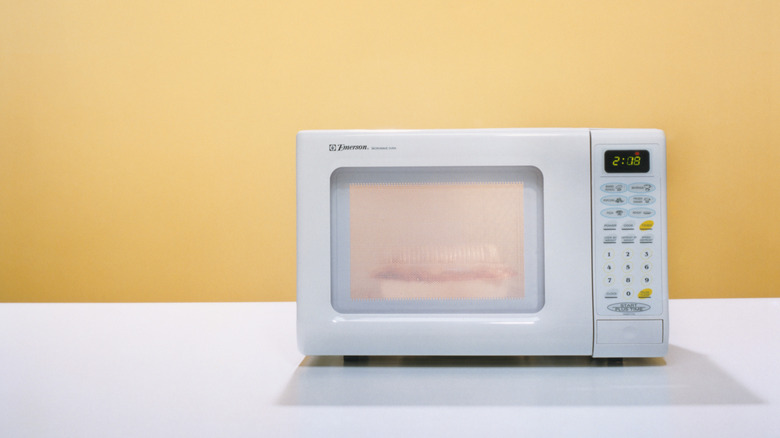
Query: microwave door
(445, 242)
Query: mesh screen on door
(442, 241)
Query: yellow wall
(147, 147)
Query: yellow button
(645, 293)
(646, 225)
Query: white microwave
(482, 242)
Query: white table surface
(233, 370)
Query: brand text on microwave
(347, 147)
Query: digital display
(627, 161)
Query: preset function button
(641, 188)
(641, 200)
(628, 226)
(613, 187)
(646, 226)
(642, 212)
(614, 212)
(613, 200)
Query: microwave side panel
(312, 240)
(564, 323)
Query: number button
(628, 253)
(609, 267)
(609, 280)
(628, 281)
(628, 267)
(646, 254)
(646, 267)
(609, 254)
(646, 280)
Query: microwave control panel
(629, 231)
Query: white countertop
(233, 370)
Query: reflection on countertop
(682, 378)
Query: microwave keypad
(626, 275)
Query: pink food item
(457, 272)
(434, 273)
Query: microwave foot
(354, 359)
(615, 362)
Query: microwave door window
(436, 241)
(432, 242)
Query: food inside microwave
(444, 272)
